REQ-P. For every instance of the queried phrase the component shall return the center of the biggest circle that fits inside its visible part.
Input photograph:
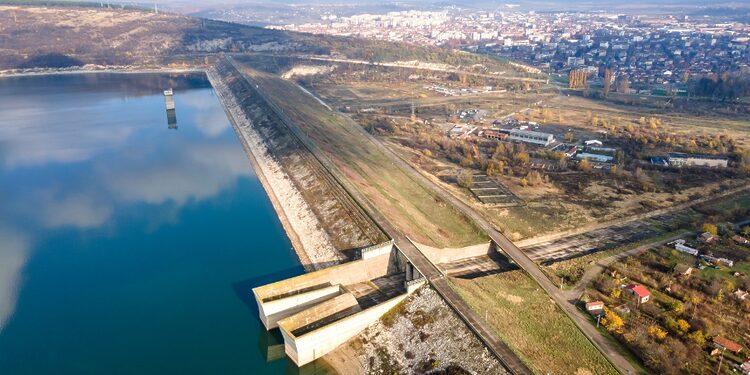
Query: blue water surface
(129, 245)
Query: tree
(499, 151)
(677, 307)
(612, 321)
(657, 332)
(746, 230)
(683, 326)
(568, 137)
(710, 228)
(522, 158)
(465, 179)
(624, 86)
(584, 166)
(615, 293)
(698, 338)
(495, 167)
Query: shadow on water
(271, 343)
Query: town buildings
(654, 54)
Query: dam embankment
(324, 223)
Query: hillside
(59, 35)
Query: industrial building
(678, 159)
(528, 136)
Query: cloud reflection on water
(77, 168)
(14, 249)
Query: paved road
(509, 359)
(518, 257)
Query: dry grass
(410, 207)
(532, 324)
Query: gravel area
(423, 336)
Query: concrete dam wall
(318, 311)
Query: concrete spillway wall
(310, 346)
(448, 255)
(318, 311)
(284, 298)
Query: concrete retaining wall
(345, 274)
(324, 283)
(448, 255)
(313, 345)
(380, 249)
(273, 311)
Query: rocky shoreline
(310, 241)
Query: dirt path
(598, 267)
(556, 236)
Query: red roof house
(595, 306)
(727, 344)
(639, 291)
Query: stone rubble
(425, 337)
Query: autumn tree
(465, 179)
(612, 321)
(624, 86)
(683, 326)
(710, 228)
(657, 332)
(698, 338)
(584, 166)
(568, 137)
(521, 158)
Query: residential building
(725, 343)
(594, 306)
(641, 294)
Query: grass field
(410, 207)
(532, 324)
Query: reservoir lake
(130, 238)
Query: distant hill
(60, 35)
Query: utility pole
(718, 371)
